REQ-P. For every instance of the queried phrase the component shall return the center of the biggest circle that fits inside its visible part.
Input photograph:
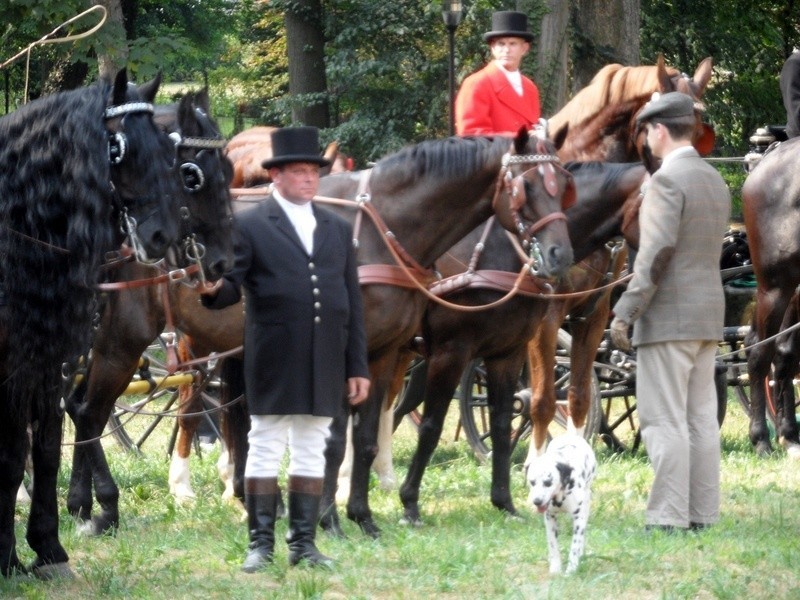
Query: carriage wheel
(474, 406)
(148, 420)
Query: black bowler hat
(508, 23)
(295, 144)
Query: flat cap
(667, 106)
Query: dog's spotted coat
(560, 480)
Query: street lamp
(451, 13)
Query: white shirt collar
(514, 78)
(678, 152)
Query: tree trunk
(115, 55)
(305, 44)
(552, 56)
(604, 33)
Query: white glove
(619, 334)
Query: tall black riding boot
(304, 498)
(261, 500)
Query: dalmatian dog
(560, 480)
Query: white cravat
(301, 217)
(514, 78)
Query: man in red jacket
(498, 99)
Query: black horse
(76, 168)
(135, 314)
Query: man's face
(297, 182)
(508, 51)
(655, 138)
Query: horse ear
(664, 81)
(150, 89)
(702, 76)
(186, 118)
(202, 100)
(120, 92)
(521, 140)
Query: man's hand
(619, 334)
(357, 390)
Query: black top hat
(508, 23)
(295, 144)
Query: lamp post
(451, 13)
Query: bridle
(546, 166)
(117, 153)
(194, 181)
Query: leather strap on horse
(167, 277)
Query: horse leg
(13, 452)
(501, 382)
(365, 443)
(180, 485)
(235, 424)
(383, 465)
(346, 468)
(334, 455)
(42, 535)
(445, 366)
(770, 308)
(542, 362)
(786, 361)
(79, 494)
(587, 333)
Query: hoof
(763, 449)
(50, 571)
(369, 528)
(411, 519)
(183, 493)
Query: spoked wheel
(145, 417)
(473, 403)
(772, 400)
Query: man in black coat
(305, 343)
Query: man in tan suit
(677, 303)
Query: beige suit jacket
(676, 290)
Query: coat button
(314, 279)
(316, 291)
(317, 305)
(317, 319)
(311, 266)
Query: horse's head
(205, 176)
(531, 192)
(142, 168)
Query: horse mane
(449, 158)
(56, 226)
(611, 85)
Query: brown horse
(133, 315)
(770, 196)
(454, 337)
(414, 193)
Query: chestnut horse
(770, 196)
(77, 168)
(500, 334)
(602, 126)
(133, 311)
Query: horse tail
(55, 226)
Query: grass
(466, 548)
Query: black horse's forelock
(449, 158)
(55, 227)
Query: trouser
(269, 437)
(677, 406)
